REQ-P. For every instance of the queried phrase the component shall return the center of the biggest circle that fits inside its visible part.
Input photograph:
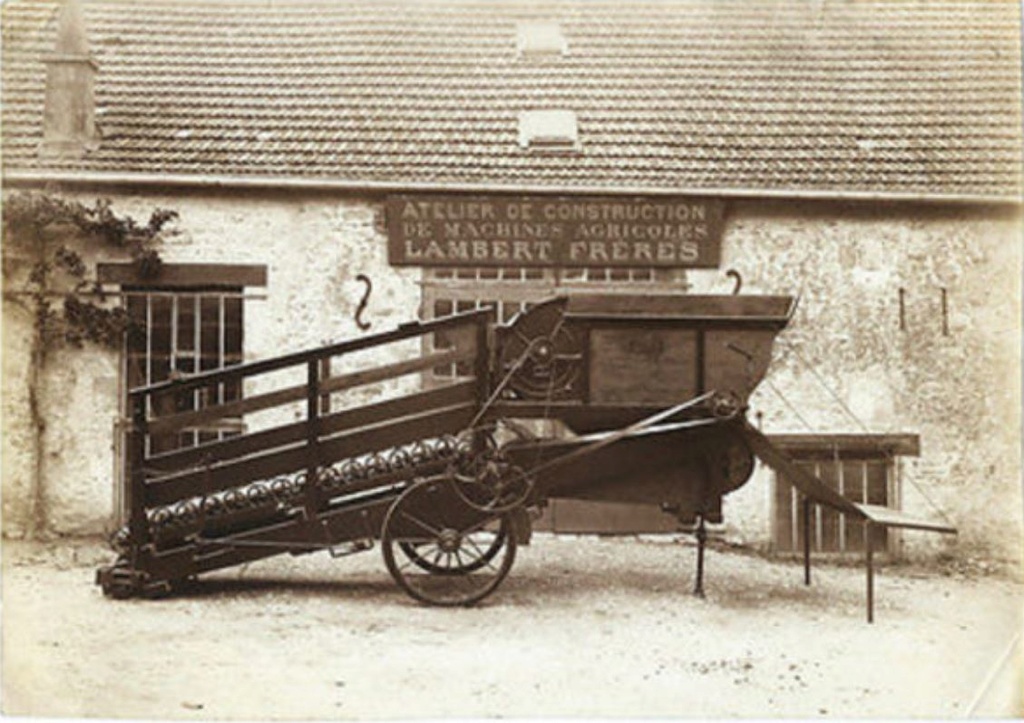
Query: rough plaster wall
(60, 482)
(960, 392)
(313, 247)
(20, 450)
(80, 398)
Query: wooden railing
(318, 439)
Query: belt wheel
(441, 550)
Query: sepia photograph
(478, 359)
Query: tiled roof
(917, 97)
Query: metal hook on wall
(735, 275)
(363, 325)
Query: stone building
(866, 156)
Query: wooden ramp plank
(804, 481)
(889, 517)
(814, 489)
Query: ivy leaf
(26, 218)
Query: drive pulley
(541, 356)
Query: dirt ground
(593, 627)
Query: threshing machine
(653, 388)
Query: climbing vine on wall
(67, 300)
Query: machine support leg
(138, 527)
(869, 559)
(312, 491)
(702, 538)
(807, 541)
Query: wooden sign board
(547, 231)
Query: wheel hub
(542, 352)
(449, 540)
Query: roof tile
(887, 97)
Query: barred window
(178, 333)
(864, 468)
(860, 480)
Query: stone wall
(20, 440)
(959, 391)
(58, 461)
(313, 248)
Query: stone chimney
(69, 116)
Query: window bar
(807, 539)
(864, 498)
(819, 533)
(893, 497)
(172, 361)
(148, 404)
(842, 517)
(794, 516)
(221, 318)
(197, 349)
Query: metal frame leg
(702, 538)
(807, 541)
(869, 549)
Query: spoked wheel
(443, 551)
(427, 556)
